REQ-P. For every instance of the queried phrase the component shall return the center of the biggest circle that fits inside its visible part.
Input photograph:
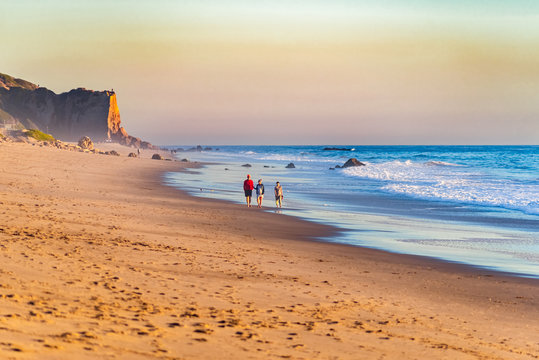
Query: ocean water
(477, 205)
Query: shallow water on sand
(497, 229)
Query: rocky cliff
(67, 116)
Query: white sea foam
(440, 163)
(295, 158)
(446, 181)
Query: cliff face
(67, 116)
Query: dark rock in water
(338, 166)
(290, 166)
(353, 162)
(207, 149)
(226, 169)
(337, 149)
(266, 166)
(185, 160)
(157, 157)
(132, 155)
(331, 168)
(246, 165)
(198, 148)
(86, 143)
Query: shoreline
(368, 227)
(333, 231)
(101, 258)
(453, 267)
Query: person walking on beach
(248, 187)
(278, 195)
(259, 192)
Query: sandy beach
(100, 260)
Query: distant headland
(67, 116)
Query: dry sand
(99, 260)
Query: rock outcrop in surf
(352, 162)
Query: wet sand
(99, 260)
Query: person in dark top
(259, 193)
(248, 187)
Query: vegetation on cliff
(39, 135)
(7, 82)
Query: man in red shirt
(248, 187)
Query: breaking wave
(451, 182)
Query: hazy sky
(291, 72)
